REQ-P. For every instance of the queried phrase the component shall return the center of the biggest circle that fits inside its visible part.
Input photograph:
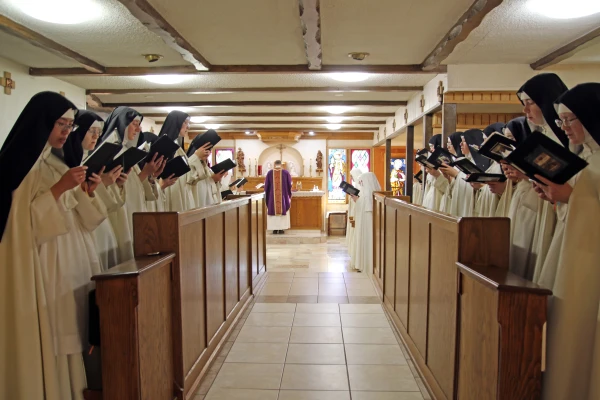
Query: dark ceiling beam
(278, 122)
(239, 69)
(330, 89)
(151, 19)
(567, 50)
(310, 20)
(282, 114)
(291, 129)
(373, 103)
(22, 32)
(459, 32)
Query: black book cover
(485, 178)
(224, 165)
(419, 176)
(208, 137)
(349, 189)
(177, 166)
(225, 193)
(440, 156)
(424, 162)
(543, 156)
(127, 159)
(422, 152)
(101, 157)
(497, 147)
(466, 166)
(164, 147)
(238, 182)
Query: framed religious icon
(337, 171)
(360, 158)
(397, 175)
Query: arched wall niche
(290, 155)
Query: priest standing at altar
(278, 193)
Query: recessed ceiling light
(333, 127)
(336, 109)
(165, 79)
(335, 120)
(248, 132)
(65, 12)
(311, 133)
(349, 76)
(198, 120)
(561, 9)
(212, 126)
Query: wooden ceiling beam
(296, 103)
(567, 50)
(470, 20)
(154, 21)
(329, 89)
(310, 19)
(22, 32)
(293, 129)
(280, 114)
(318, 135)
(279, 122)
(239, 69)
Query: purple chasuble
(278, 190)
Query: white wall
(26, 86)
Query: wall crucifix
(7, 83)
(281, 147)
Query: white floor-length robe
(363, 235)
(462, 198)
(417, 196)
(434, 192)
(487, 202)
(573, 350)
(503, 208)
(207, 192)
(107, 246)
(180, 196)
(522, 213)
(350, 230)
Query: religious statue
(240, 160)
(319, 161)
(292, 169)
(337, 169)
(269, 166)
(397, 177)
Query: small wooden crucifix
(281, 147)
(7, 83)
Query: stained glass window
(223, 154)
(336, 170)
(360, 159)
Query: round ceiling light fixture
(334, 120)
(248, 133)
(64, 12)
(212, 126)
(358, 56)
(349, 76)
(198, 120)
(152, 57)
(165, 79)
(561, 9)
(311, 133)
(336, 109)
(333, 127)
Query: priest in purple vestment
(278, 193)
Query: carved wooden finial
(384, 131)
(8, 83)
(406, 116)
(422, 102)
(394, 124)
(440, 92)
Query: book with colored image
(497, 147)
(349, 189)
(466, 166)
(423, 160)
(224, 165)
(441, 156)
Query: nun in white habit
(573, 344)
(47, 256)
(454, 193)
(436, 182)
(363, 235)
(207, 183)
(488, 196)
(180, 195)
(355, 174)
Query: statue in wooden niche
(240, 160)
(319, 161)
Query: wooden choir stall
(473, 328)
(164, 315)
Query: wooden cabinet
(307, 213)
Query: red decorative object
(260, 170)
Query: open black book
(209, 136)
(466, 166)
(424, 161)
(224, 165)
(422, 152)
(101, 157)
(481, 177)
(497, 147)
(238, 182)
(439, 157)
(127, 159)
(225, 193)
(419, 176)
(164, 147)
(543, 156)
(178, 166)
(349, 189)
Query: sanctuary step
(292, 236)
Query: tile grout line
(345, 354)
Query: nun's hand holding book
(109, 178)
(553, 192)
(71, 179)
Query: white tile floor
(296, 342)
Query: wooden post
(448, 121)
(388, 159)
(410, 160)
(427, 134)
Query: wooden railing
(414, 265)
(218, 262)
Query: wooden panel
(441, 343)
(478, 316)
(215, 279)
(482, 245)
(193, 294)
(419, 284)
(155, 334)
(482, 97)
(306, 213)
(389, 284)
(231, 260)
(244, 249)
(260, 207)
(254, 238)
(377, 238)
(403, 243)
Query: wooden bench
(336, 220)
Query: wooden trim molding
(372, 103)
(475, 120)
(567, 50)
(482, 97)
(154, 21)
(295, 122)
(22, 32)
(324, 89)
(326, 135)
(470, 20)
(310, 19)
(282, 114)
